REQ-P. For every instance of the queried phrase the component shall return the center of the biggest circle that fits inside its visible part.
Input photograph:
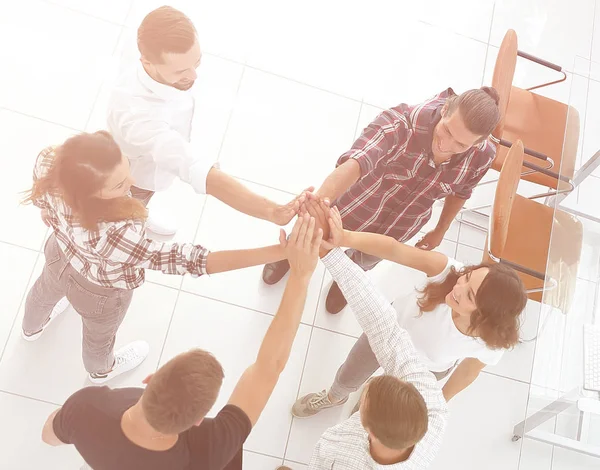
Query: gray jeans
(365, 261)
(102, 309)
(360, 364)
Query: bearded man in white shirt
(150, 116)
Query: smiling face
(176, 70)
(451, 136)
(118, 182)
(461, 298)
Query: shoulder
(450, 264)
(398, 117)
(44, 161)
(231, 423)
(218, 440)
(101, 395)
(483, 154)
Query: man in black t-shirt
(164, 425)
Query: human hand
(431, 240)
(336, 230)
(302, 246)
(282, 214)
(319, 209)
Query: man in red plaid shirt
(405, 160)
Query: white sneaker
(59, 308)
(128, 357)
(160, 224)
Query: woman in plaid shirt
(98, 251)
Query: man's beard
(178, 85)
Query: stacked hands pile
(93, 190)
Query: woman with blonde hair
(98, 250)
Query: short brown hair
(182, 391)
(394, 412)
(478, 109)
(500, 300)
(165, 30)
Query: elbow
(276, 367)
(272, 367)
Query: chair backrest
(510, 175)
(504, 72)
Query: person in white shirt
(462, 320)
(150, 116)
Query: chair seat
(543, 124)
(535, 230)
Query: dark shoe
(335, 299)
(274, 272)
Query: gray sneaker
(309, 405)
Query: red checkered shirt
(115, 254)
(399, 180)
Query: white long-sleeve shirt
(346, 446)
(152, 123)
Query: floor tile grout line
(14, 394)
(23, 297)
(287, 442)
(99, 91)
(360, 108)
(54, 123)
(263, 454)
(587, 92)
(487, 49)
(179, 291)
(449, 31)
(495, 374)
(231, 111)
(295, 461)
(14, 245)
(325, 90)
(592, 38)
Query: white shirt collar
(166, 92)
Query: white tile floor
(285, 88)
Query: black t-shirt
(91, 420)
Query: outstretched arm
(258, 381)
(229, 190)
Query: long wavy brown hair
(79, 171)
(500, 300)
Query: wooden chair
(548, 128)
(522, 232)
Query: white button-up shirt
(152, 123)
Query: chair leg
(475, 210)
(548, 412)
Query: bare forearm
(452, 206)
(382, 246)
(276, 346)
(233, 193)
(230, 260)
(340, 180)
(388, 248)
(460, 379)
